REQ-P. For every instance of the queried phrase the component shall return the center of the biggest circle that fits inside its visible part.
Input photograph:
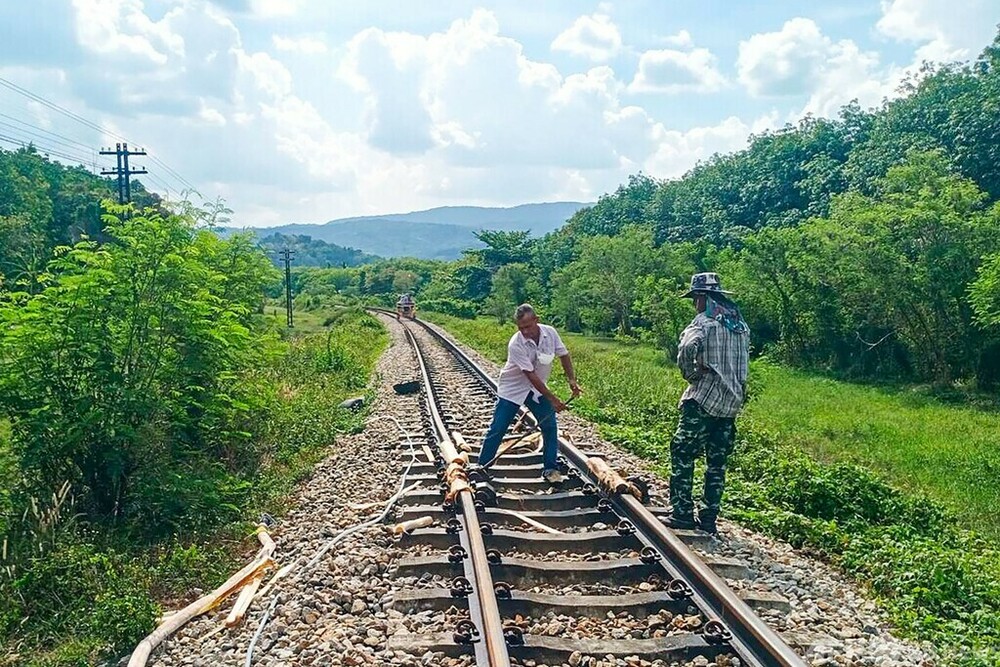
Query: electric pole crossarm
(122, 171)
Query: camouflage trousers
(697, 432)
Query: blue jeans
(504, 415)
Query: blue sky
(308, 110)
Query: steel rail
(752, 639)
(490, 646)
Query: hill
(312, 252)
(437, 233)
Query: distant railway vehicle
(406, 307)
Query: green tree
(606, 276)
(502, 248)
(125, 368)
(513, 285)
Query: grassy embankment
(886, 483)
(94, 591)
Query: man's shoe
(477, 473)
(708, 526)
(672, 521)
(553, 476)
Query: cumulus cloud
(471, 94)
(946, 30)
(595, 37)
(132, 64)
(678, 151)
(800, 60)
(681, 40)
(460, 114)
(673, 71)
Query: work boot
(478, 473)
(707, 525)
(683, 523)
(553, 476)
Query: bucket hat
(707, 283)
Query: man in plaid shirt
(713, 357)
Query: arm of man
(689, 353)
(567, 364)
(543, 389)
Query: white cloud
(460, 114)
(681, 40)
(595, 37)
(110, 27)
(799, 60)
(307, 44)
(672, 71)
(471, 93)
(946, 30)
(270, 9)
(131, 63)
(787, 62)
(678, 151)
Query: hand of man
(557, 404)
(575, 388)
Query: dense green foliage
(312, 252)
(43, 205)
(114, 578)
(936, 580)
(124, 374)
(149, 407)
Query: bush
(98, 598)
(131, 364)
(454, 307)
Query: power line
(180, 178)
(22, 143)
(55, 107)
(42, 129)
(90, 124)
(66, 144)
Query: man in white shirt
(530, 354)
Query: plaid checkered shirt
(714, 361)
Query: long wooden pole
(174, 622)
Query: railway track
(601, 561)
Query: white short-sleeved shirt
(523, 354)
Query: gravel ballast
(337, 613)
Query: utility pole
(122, 171)
(287, 257)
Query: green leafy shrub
(76, 590)
(455, 307)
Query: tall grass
(76, 594)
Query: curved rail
(752, 639)
(490, 645)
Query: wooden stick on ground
(278, 575)
(239, 610)
(610, 480)
(248, 573)
(528, 520)
(412, 524)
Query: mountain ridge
(437, 233)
